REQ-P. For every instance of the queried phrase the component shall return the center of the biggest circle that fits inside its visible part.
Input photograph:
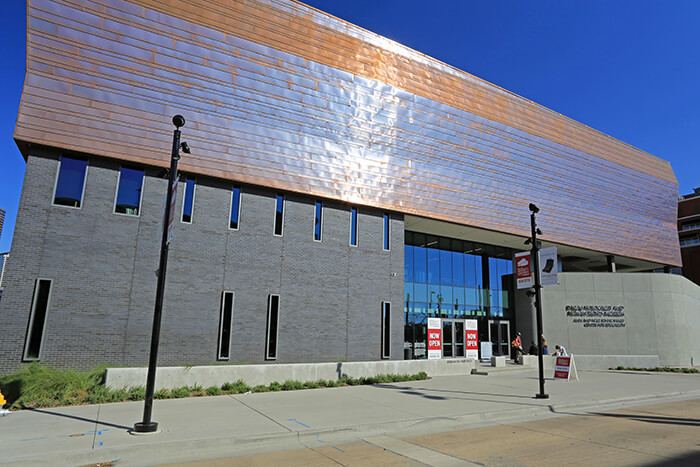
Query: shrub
(377, 379)
(665, 369)
(137, 393)
(118, 395)
(179, 393)
(162, 394)
(261, 388)
(292, 385)
(275, 386)
(99, 395)
(214, 391)
(238, 387)
(312, 384)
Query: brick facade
(103, 270)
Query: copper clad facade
(278, 94)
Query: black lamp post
(534, 254)
(147, 425)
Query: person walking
(517, 345)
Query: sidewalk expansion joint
(416, 452)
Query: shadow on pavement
(423, 393)
(690, 459)
(83, 419)
(652, 419)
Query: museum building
(341, 189)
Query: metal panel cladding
(279, 94)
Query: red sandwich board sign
(563, 368)
(472, 338)
(434, 338)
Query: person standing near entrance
(533, 350)
(517, 348)
(545, 350)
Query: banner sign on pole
(548, 266)
(434, 338)
(472, 338)
(523, 270)
(563, 368)
(171, 213)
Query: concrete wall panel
(661, 316)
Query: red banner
(434, 338)
(472, 340)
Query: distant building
(689, 234)
(2, 255)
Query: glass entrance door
(459, 338)
(499, 335)
(447, 338)
(453, 338)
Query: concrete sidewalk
(224, 426)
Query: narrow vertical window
(318, 221)
(279, 214)
(70, 182)
(129, 191)
(386, 232)
(273, 305)
(235, 208)
(188, 203)
(225, 326)
(353, 226)
(37, 319)
(386, 330)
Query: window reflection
(453, 279)
(70, 182)
(129, 191)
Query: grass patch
(40, 386)
(36, 386)
(662, 369)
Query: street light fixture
(147, 425)
(535, 255)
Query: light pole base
(541, 396)
(140, 427)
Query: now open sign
(434, 338)
(472, 338)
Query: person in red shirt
(517, 348)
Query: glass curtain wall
(448, 278)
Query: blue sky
(630, 69)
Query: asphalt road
(665, 434)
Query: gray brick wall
(103, 267)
